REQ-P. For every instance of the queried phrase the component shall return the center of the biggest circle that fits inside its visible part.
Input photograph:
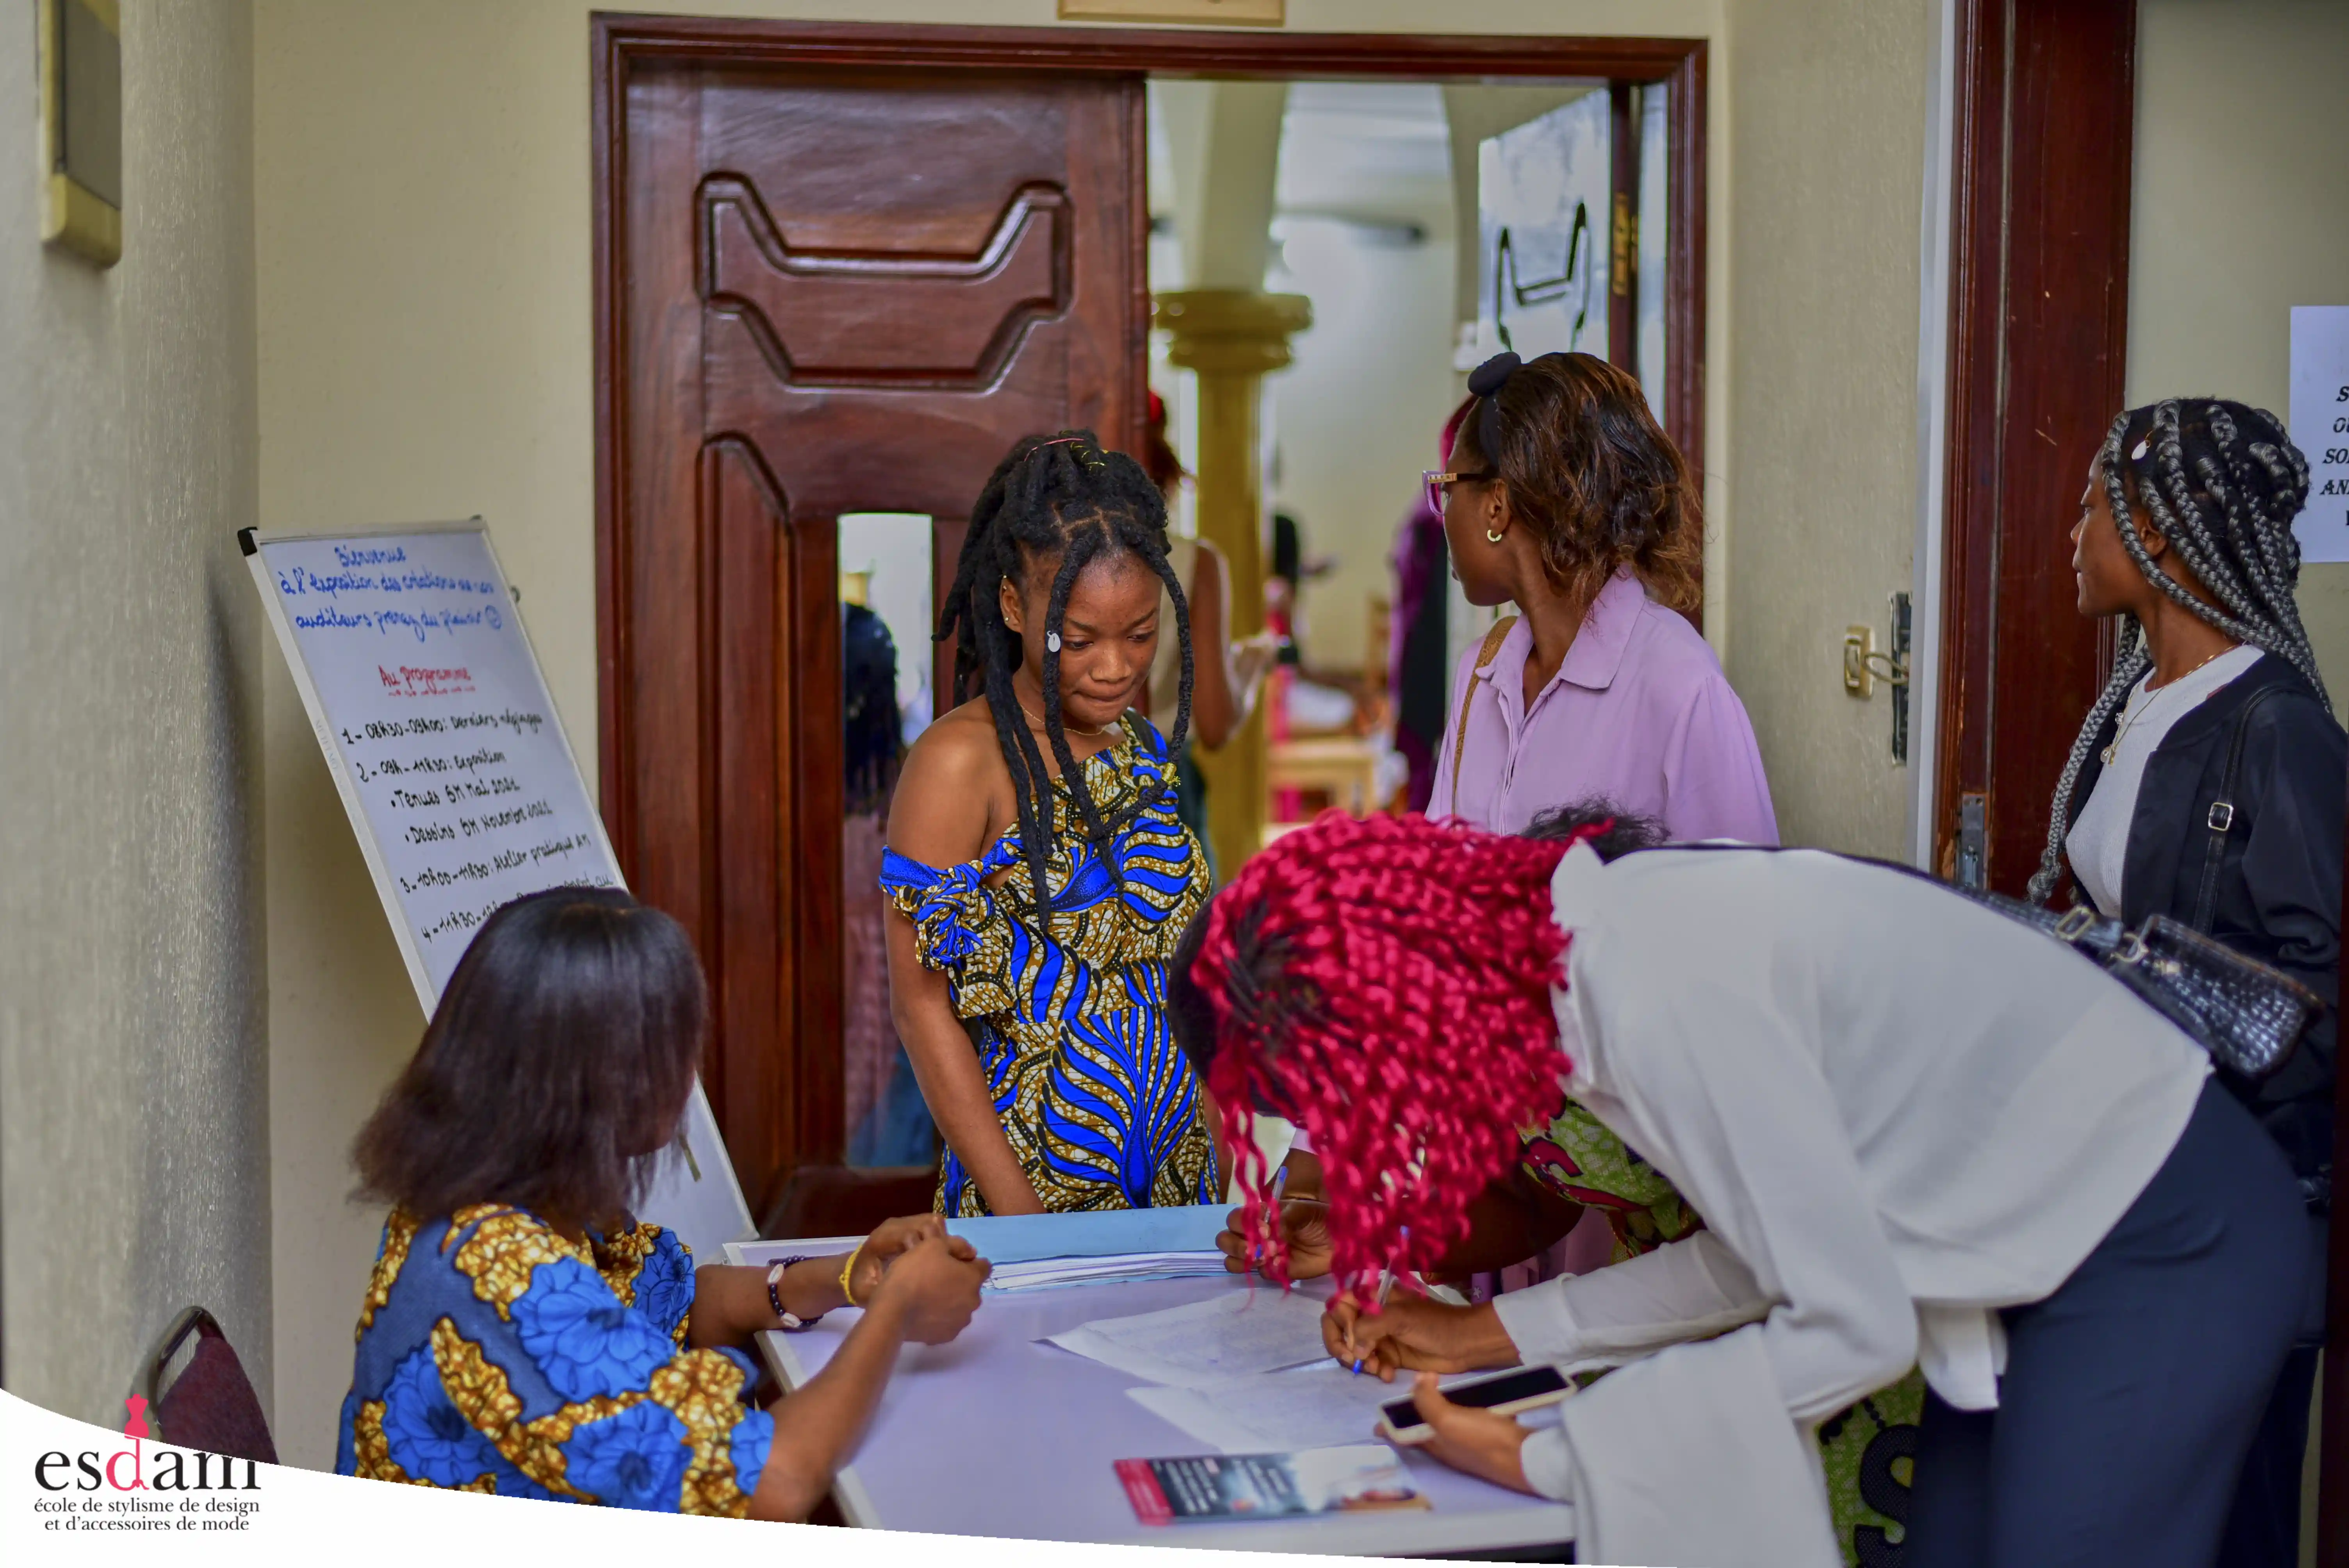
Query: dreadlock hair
(2221, 481)
(1060, 496)
(1385, 983)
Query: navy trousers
(2130, 1394)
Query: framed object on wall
(81, 127)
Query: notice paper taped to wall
(435, 720)
(2320, 427)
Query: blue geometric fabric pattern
(1068, 1005)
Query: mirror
(885, 702)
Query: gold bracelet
(848, 1269)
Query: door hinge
(1973, 840)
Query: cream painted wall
(134, 1127)
(1827, 122)
(1357, 412)
(2241, 211)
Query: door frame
(621, 43)
(2044, 120)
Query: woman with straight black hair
(522, 1334)
(2208, 784)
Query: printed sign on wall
(2320, 426)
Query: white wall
(134, 1129)
(2240, 211)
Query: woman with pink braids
(1917, 1131)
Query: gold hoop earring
(1492, 537)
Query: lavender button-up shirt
(1638, 713)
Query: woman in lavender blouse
(1567, 499)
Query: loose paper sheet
(1317, 1406)
(2320, 426)
(1209, 1342)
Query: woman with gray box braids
(2220, 486)
(2208, 785)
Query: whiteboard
(408, 651)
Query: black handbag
(2249, 1018)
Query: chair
(846, 1200)
(209, 1402)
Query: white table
(998, 1435)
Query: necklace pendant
(2107, 752)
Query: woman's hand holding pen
(1304, 1223)
(1416, 1334)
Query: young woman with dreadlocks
(1038, 872)
(1917, 1131)
(2207, 784)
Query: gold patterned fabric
(495, 1355)
(1067, 1003)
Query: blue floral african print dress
(1068, 1011)
(496, 1356)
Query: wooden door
(821, 289)
(2038, 331)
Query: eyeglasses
(1437, 481)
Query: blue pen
(1386, 1284)
(1280, 1180)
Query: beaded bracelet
(791, 1321)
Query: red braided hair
(1385, 983)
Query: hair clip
(1052, 642)
(2137, 456)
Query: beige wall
(1824, 164)
(2241, 211)
(134, 1133)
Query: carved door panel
(821, 291)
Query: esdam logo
(146, 1486)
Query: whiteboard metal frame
(698, 1112)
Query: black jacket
(2280, 869)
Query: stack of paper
(1039, 1252)
(1042, 1274)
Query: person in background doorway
(1417, 635)
(522, 1334)
(1223, 683)
(1565, 498)
(2208, 785)
(887, 1124)
(1034, 901)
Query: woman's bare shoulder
(946, 793)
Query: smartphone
(1527, 1389)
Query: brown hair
(554, 1069)
(1590, 471)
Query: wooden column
(1231, 338)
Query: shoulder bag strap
(2220, 819)
(1492, 640)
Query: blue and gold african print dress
(494, 1356)
(1068, 1011)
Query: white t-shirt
(2098, 841)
